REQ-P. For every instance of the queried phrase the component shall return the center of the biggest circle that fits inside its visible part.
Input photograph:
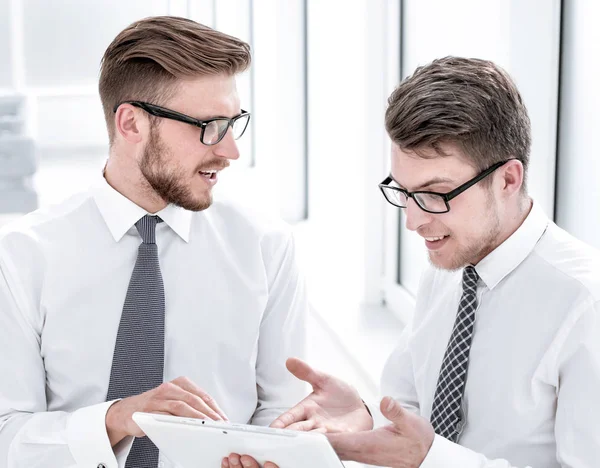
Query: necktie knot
(470, 279)
(146, 226)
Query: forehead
(208, 96)
(411, 170)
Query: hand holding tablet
(203, 443)
(244, 460)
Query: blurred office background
(317, 147)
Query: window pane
(578, 190)
(64, 41)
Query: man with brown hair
(142, 295)
(501, 364)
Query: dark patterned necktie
(446, 417)
(138, 359)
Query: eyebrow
(435, 180)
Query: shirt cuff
(88, 440)
(446, 454)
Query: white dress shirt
(235, 310)
(532, 395)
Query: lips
(433, 239)
(209, 177)
(213, 166)
(435, 242)
(208, 174)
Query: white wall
(578, 204)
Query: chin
(443, 263)
(193, 203)
(201, 204)
(198, 199)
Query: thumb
(392, 410)
(301, 370)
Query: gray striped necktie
(446, 417)
(138, 359)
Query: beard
(168, 182)
(474, 249)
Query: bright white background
(317, 148)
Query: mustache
(217, 164)
(425, 233)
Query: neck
(511, 221)
(515, 218)
(124, 175)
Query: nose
(415, 216)
(227, 147)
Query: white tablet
(195, 443)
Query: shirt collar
(178, 219)
(508, 255)
(120, 213)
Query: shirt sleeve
(446, 454)
(30, 435)
(282, 334)
(578, 376)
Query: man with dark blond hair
(141, 294)
(500, 366)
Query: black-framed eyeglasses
(212, 130)
(431, 202)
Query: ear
(511, 177)
(130, 123)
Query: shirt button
(101, 465)
(161, 464)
